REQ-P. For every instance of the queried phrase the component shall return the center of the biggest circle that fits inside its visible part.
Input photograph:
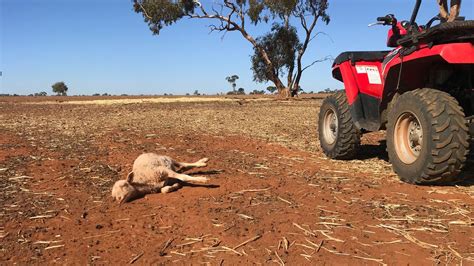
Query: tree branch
(328, 57)
(143, 9)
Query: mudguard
(371, 79)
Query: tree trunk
(283, 91)
(295, 90)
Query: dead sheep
(153, 173)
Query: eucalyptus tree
(232, 81)
(60, 88)
(276, 54)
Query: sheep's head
(124, 191)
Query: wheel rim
(330, 126)
(408, 137)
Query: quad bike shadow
(379, 151)
(373, 151)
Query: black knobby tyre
(439, 153)
(340, 141)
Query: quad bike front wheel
(338, 136)
(427, 137)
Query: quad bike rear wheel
(427, 137)
(338, 136)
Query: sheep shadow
(186, 184)
(172, 181)
(206, 172)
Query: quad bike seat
(448, 32)
(360, 56)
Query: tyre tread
(449, 135)
(348, 140)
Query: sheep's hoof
(204, 160)
(202, 179)
(166, 189)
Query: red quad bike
(422, 93)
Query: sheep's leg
(185, 178)
(168, 189)
(188, 166)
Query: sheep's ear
(130, 177)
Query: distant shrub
(60, 88)
(43, 93)
(257, 92)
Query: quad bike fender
(456, 53)
(343, 72)
(362, 92)
(416, 65)
(453, 53)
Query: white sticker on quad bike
(360, 69)
(372, 72)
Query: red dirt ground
(266, 203)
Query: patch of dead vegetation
(274, 204)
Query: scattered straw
(306, 231)
(280, 261)
(248, 241)
(136, 258)
(53, 247)
(371, 259)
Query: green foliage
(160, 13)
(232, 80)
(271, 89)
(256, 92)
(255, 10)
(276, 53)
(286, 8)
(281, 45)
(281, 8)
(60, 88)
(43, 93)
(240, 91)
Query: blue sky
(99, 46)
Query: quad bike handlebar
(388, 20)
(391, 20)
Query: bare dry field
(273, 198)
